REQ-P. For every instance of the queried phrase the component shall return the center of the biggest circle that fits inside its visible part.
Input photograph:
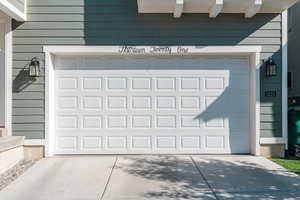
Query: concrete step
(10, 142)
(11, 151)
(2, 132)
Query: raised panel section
(190, 83)
(116, 83)
(214, 83)
(116, 122)
(92, 122)
(67, 102)
(166, 102)
(166, 142)
(67, 83)
(141, 121)
(192, 142)
(116, 142)
(141, 142)
(165, 83)
(209, 101)
(141, 83)
(67, 143)
(90, 102)
(91, 143)
(141, 102)
(117, 102)
(215, 142)
(92, 83)
(166, 121)
(215, 123)
(189, 121)
(190, 102)
(67, 122)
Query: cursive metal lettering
(131, 50)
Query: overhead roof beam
(216, 8)
(254, 8)
(178, 8)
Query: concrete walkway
(154, 177)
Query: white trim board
(272, 140)
(34, 142)
(12, 11)
(252, 51)
(284, 77)
(8, 73)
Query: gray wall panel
(293, 49)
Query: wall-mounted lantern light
(271, 68)
(34, 68)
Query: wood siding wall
(107, 22)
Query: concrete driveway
(154, 177)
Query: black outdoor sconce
(34, 68)
(271, 68)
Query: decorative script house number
(153, 50)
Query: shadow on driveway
(200, 177)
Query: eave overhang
(214, 7)
(16, 12)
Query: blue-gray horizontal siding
(19, 4)
(293, 49)
(107, 22)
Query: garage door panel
(93, 84)
(145, 121)
(67, 83)
(67, 102)
(67, 122)
(148, 144)
(155, 105)
(92, 102)
(67, 143)
(141, 121)
(92, 122)
(92, 143)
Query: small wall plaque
(270, 93)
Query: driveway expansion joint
(109, 178)
(203, 177)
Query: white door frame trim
(8, 73)
(252, 51)
(284, 47)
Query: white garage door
(135, 105)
